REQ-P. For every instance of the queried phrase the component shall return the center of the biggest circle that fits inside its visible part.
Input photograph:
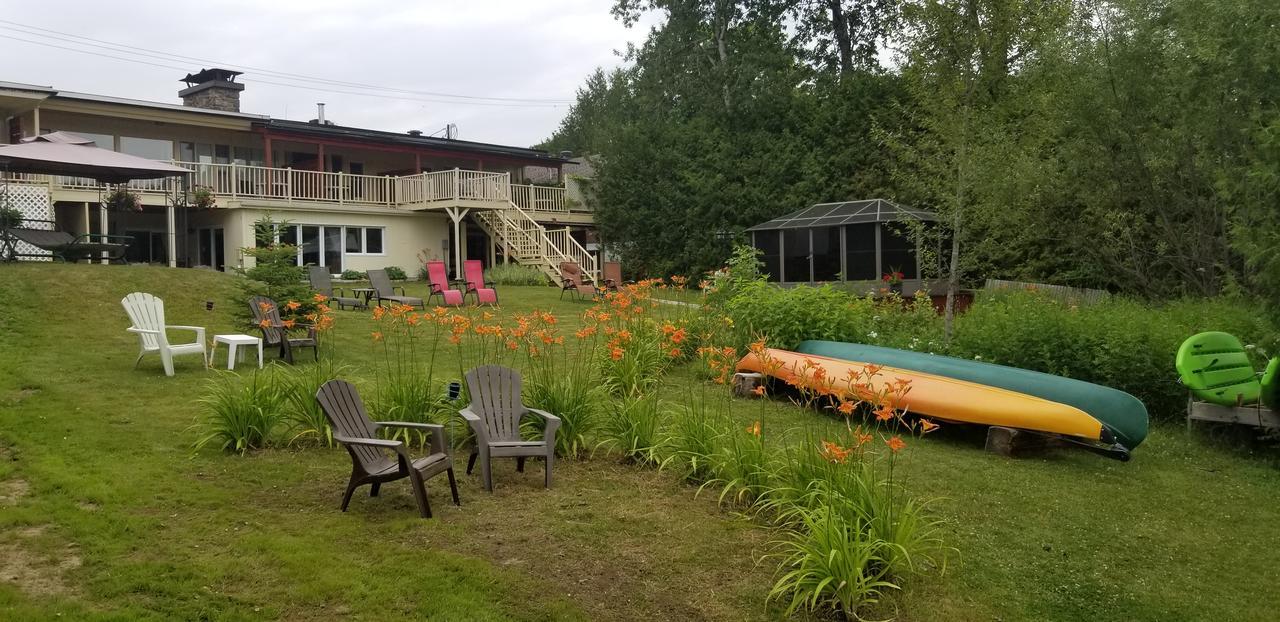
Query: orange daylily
(896, 444)
(293, 305)
(834, 453)
(927, 426)
(754, 428)
(758, 391)
(377, 335)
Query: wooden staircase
(531, 244)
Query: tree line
(1132, 145)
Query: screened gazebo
(850, 241)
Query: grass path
(106, 514)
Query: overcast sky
(525, 49)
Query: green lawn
(106, 514)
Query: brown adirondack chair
(322, 283)
(266, 315)
(572, 279)
(495, 414)
(383, 290)
(369, 462)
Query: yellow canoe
(940, 397)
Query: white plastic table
(234, 341)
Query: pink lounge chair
(440, 285)
(473, 270)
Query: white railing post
(388, 188)
(342, 188)
(457, 184)
(233, 180)
(288, 184)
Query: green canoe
(1120, 413)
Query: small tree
(275, 273)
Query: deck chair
(439, 279)
(573, 280)
(147, 314)
(322, 283)
(473, 270)
(1215, 367)
(266, 315)
(495, 415)
(383, 290)
(62, 245)
(369, 462)
(612, 275)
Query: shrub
(1120, 343)
(354, 275)
(788, 316)
(396, 273)
(514, 274)
(242, 413)
(634, 366)
(10, 217)
(632, 427)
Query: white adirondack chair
(147, 314)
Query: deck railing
(244, 181)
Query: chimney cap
(415, 132)
(210, 75)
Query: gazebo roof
(60, 153)
(846, 213)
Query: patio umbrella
(60, 153)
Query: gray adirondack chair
(383, 290)
(495, 414)
(369, 462)
(275, 333)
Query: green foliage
(302, 414)
(514, 274)
(638, 370)
(396, 273)
(572, 397)
(791, 315)
(743, 469)
(1119, 343)
(831, 562)
(354, 275)
(691, 440)
(275, 274)
(241, 413)
(632, 426)
(10, 217)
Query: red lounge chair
(612, 275)
(439, 278)
(573, 280)
(473, 270)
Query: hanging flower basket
(123, 200)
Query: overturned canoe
(943, 398)
(1122, 415)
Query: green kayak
(1120, 413)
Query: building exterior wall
(405, 235)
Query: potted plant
(123, 200)
(202, 197)
(893, 278)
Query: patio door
(210, 245)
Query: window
(767, 243)
(897, 250)
(148, 148)
(826, 253)
(795, 255)
(860, 252)
(250, 156)
(364, 240)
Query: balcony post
(342, 187)
(233, 179)
(389, 187)
(457, 184)
(288, 184)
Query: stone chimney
(214, 89)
